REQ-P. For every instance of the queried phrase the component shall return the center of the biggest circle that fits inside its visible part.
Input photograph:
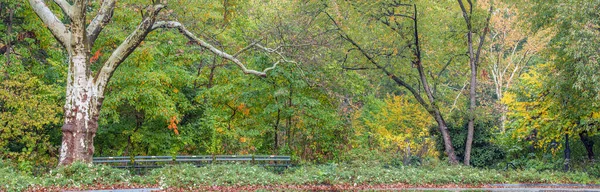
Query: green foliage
(30, 90)
(171, 97)
(83, 176)
(12, 179)
(485, 153)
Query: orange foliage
(173, 125)
(96, 55)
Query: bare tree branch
(485, 31)
(102, 18)
(192, 37)
(245, 49)
(126, 47)
(58, 29)
(372, 60)
(65, 6)
(464, 13)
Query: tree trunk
(473, 60)
(276, 126)
(588, 144)
(567, 153)
(8, 40)
(82, 109)
(446, 137)
(503, 109)
(473, 104)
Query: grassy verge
(83, 176)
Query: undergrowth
(81, 175)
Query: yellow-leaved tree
(397, 125)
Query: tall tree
(512, 46)
(85, 88)
(473, 64)
(390, 15)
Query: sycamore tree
(76, 31)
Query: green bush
(81, 174)
(85, 176)
(484, 153)
(13, 180)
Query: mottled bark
(82, 109)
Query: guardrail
(140, 163)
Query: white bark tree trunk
(82, 109)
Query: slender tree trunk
(588, 144)
(446, 137)
(567, 153)
(503, 109)
(473, 61)
(8, 39)
(276, 126)
(472, 106)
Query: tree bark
(567, 153)
(473, 62)
(82, 109)
(588, 144)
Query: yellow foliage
(399, 125)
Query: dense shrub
(484, 153)
(84, 176)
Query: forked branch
(102, 18)
(65, 6)
(232, 58)
(127, 47)
(57, 28)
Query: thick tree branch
(65, 6)
(57, 28)
(372, 60)
(485, 31)
(465, 14)
(126, 47)
(192, 37)
(102, 18)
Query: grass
(84, 176)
